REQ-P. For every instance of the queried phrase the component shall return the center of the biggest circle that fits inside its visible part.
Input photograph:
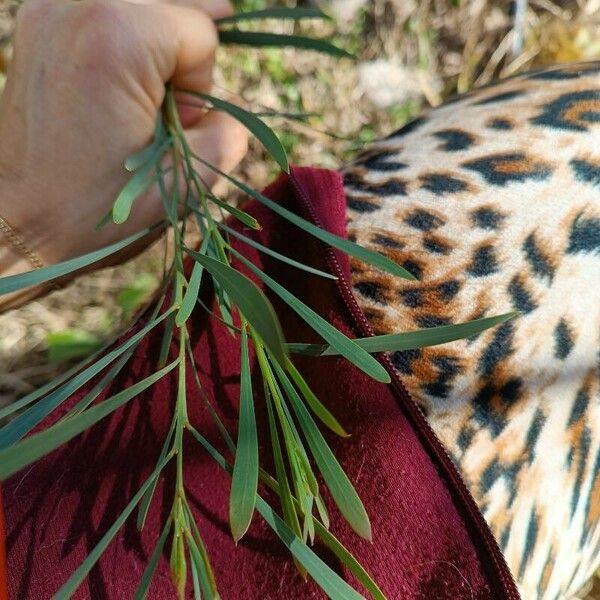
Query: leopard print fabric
(493, 201)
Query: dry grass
(411, 54)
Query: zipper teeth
(508, 585)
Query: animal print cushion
(493, 201)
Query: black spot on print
(436, 246)
(580, 404)
(454, 139)
(426, 321)
(573, 111)
(586, 171)
(448, 289)
(583, 450)
(360, 205)
(501, 169)
(521, 297)
(408, 128)
(442, 184)
(487, 218)
(498, 350)
(412, 298)
(371, 290)
(530, 540)
(413, 268)
(448, 367)
(483, 262)
(584, 236)
(567, 72)
(392, 187)
(500, 124)
(563, 338)
(403, 360)
(382, 161)
(540, 263)
(387, 241)
(533, 433)
(423, 220)
(511, 391)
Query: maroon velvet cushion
(429, 540)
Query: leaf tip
(384, 377)
(365, 530)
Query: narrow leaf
(327, 579)
(276, 255)
(31, 278)
(251, 301)
(347, 348)
(394, 342)
(255, 125)
(147, 499)
(285, 493)
(279, 40)
(101, 385)
(373, 258)
(26, 421)
(320, 410)
(135, 187)
(134, 162)
(348, 561)
(201, 568)
(191, 295)
(342, 490)
(208, 581)
(144, 585)
(245, 471)
(20, 455)
(148, 155)
(240, 215)
(50, 386)
(69, 588)
(280, 12)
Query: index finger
(215, 9)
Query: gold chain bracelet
(18, 244)
(15, 239)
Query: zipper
(3, 566)
(361, 325)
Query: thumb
(218, 139)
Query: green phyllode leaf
(251, 301)
(329, 581)
(342, 490)
(26, 421)
(433, 336)
(69, 588)
(280, 40)
(278, 12)
(373, 258)
(346, 347)
(245, 471)
(18, 456)
(265, 250)
(256, 126)
(21, 281)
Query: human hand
(82, 94)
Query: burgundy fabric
(429, 541)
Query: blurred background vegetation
(410, 55)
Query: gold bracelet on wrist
(18, 244)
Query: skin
(83, 90)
